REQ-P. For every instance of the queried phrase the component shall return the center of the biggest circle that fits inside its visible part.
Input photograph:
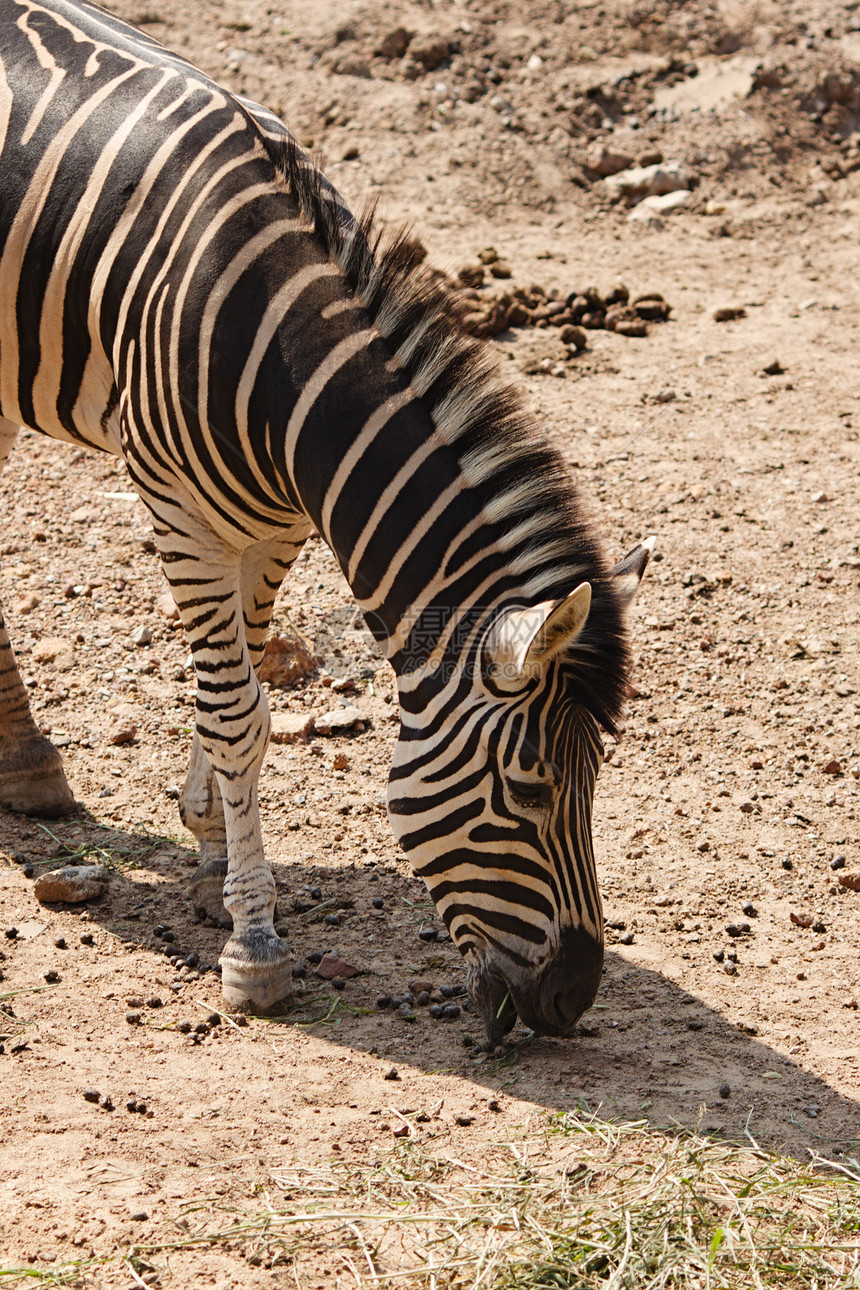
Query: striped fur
(188, 291)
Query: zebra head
(490, 795)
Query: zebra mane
(525, 489)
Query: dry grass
(579, 1204)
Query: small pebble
(133, 1018)
(730, 969)
(427, 934)
(60, 943)
(332, 920)
(729, 314)
(693, 1024)
(391, 1074)
(91, 1095)
(464, 1120)
(378, 902)
(725, 1091)
(184, 1027)
(11, 933)
(51, 975)
(140, 1216)
(719, 955)
(106, 1102)
(750, 911)
(627, 939)
(315, 893)
(838, 862)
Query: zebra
(181, 286)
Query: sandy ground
(736, 784)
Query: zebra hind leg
(32, 779)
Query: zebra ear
(628, 572)
(527, 639)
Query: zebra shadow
(649, 1049)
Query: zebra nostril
(569, 986)
(569, 1005)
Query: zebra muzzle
(549, 1000)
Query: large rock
(73, 884)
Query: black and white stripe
(182, 287)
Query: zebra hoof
(256, 973)
(205, 891)
(32, 779)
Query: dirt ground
(736, 784)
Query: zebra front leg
(32, 779)
(262, 569)
(232, 725)
(233, 729)
(202, 811)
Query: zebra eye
(531, 792)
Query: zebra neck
(389, 499)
